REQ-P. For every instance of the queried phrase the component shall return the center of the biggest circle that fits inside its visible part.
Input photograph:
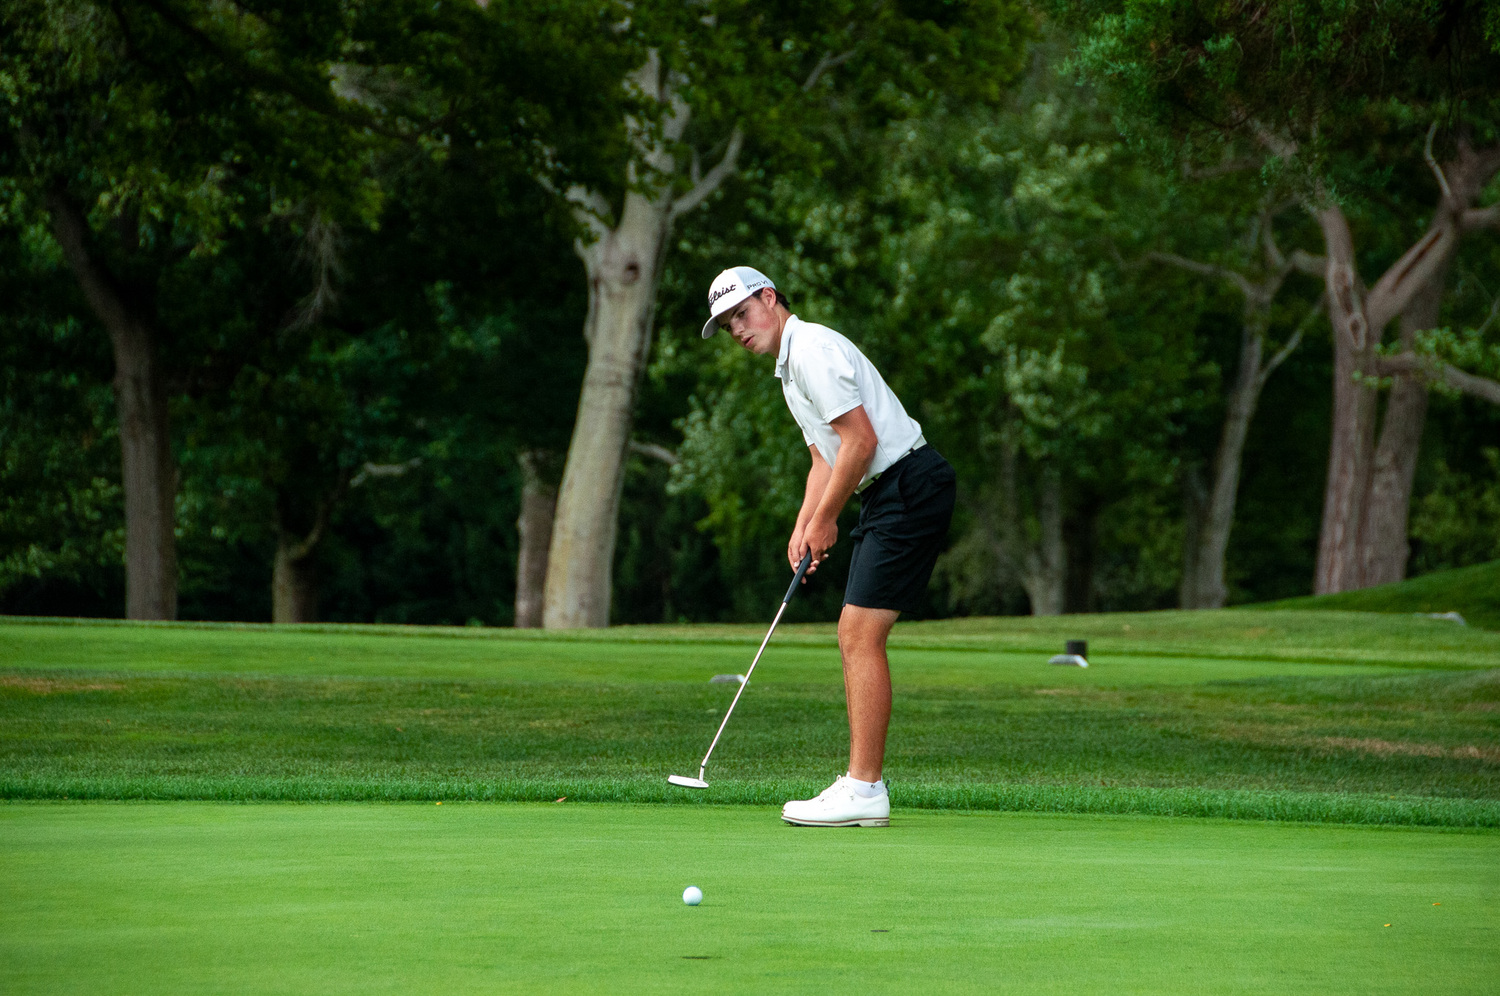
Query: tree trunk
(1368, 494)
(1383, 543)
(1194, 515)
(1080, 537)
(624, 268)
(149, 479)
(294, 583)
(148, 474)
(623, 265)
(1041, 566)
(1208, 513)
(534, 526)
(1045, 575)
(294, 577)
(1203, 587)
(1349, 451)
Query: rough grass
(1277, 732)
(1472, 592)
(1427, 743)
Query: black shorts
(903, 522)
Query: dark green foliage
(372, 272)
(61, 518)
(1343, 77)
(450, 351)
(1275, 539)
(975, 254)
(345, 284)
(1456, 516)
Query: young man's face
(754, 323)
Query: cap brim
(722, 305)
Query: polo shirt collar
(786, 345)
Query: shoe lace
(837, 788)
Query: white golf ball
(692, 895)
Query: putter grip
(801, 573)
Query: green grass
(1284, 722)
(1472, 592)
(567, 898)
(1286, 730)
(102, 735)
(1155, 645)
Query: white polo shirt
(823, 375)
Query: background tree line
(1200, 299)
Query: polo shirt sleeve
(829, 381)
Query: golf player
(862, 442)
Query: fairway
(200, 897)
(1126, 648)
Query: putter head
(682, 781)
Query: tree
(158, 135)
(1051, 372)
(143, 145)
(434, 350)
(61, 529)
(968, 252)
(1210, 510)
(1329, 99)
(707, 83)
(304, 423)
(534, 531)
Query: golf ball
(692, 895)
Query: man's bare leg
(867, 686)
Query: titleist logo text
(715, 295)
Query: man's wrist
(821, 519)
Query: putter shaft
(796, 581)
(730, 712)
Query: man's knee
(864, 630)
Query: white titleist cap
(729, 289)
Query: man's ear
(767, 297)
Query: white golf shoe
(839, 806)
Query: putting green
(586, 898)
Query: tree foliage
(351, 228)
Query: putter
(683, 781)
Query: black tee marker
(1075, 653)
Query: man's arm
(817, 482)
(857, 441)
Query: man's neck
(782, 315)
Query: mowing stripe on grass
(1256, 634)
(413, 654)
(1295, 807)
